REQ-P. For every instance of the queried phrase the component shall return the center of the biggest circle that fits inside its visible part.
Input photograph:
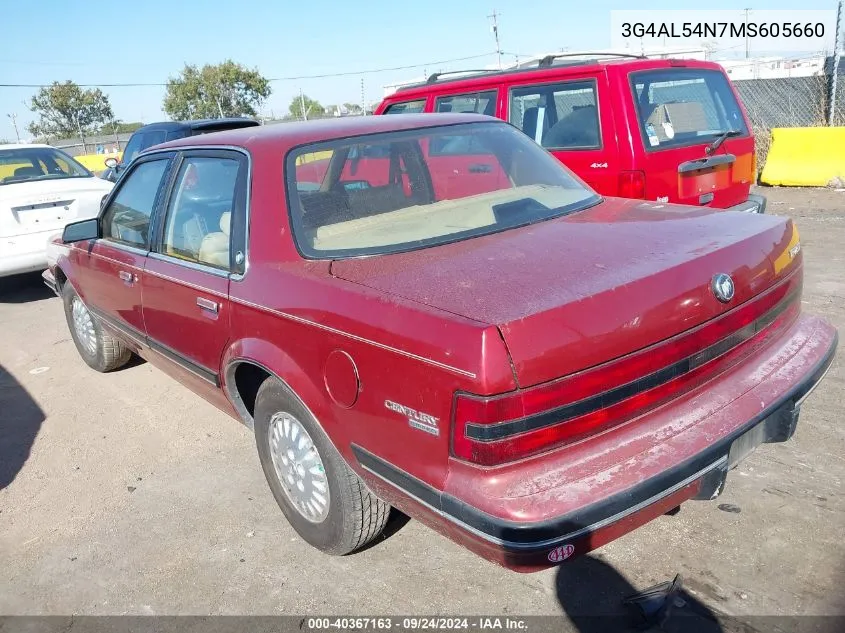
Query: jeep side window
(406, 107)
(127, 218)
(558, 116)
(477, 103)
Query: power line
(292, 78)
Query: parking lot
(125, 493)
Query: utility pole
(495, 28)
(302, 106)
(14, 118)
(747, 11)
(834, 72)
(363, 102)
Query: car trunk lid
(35, 206)
(577, 291)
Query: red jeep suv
(528, 368)
(667, 130)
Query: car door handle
(208, 304)
(480, 168)
(127, 276)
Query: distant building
(773, 67)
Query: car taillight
(632, 184)
(497, 429)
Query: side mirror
(111, 163)
(82, 230)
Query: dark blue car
(156, 133)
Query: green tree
(66, 110)
(352, 108)
(213, 91)
(302, 106)
(119, 127)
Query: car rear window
(388, 192)
(678, 107)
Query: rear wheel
(322, 498)
(99, 349)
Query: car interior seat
(214, 249)
(27, 172)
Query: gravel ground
(126, 494)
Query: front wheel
(99, 349)
(322, 498)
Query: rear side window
(406, 107)
(558, 116)
(199, 219)
(477, 103)
(678, 107)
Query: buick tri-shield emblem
(723, 287)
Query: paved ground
(125, 493)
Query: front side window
(406, 107)
(558, 116)
(28, 164)
(199, 217)
(678, 106)
(127, 218)
(403, 198)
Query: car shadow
(20, 421)
(24, 288)
(593, 594)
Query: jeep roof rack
(435, 76)
(547, 61)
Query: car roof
(25, 146)
(200, 124)
(557, 69)
(287, 135)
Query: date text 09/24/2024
(723, 29)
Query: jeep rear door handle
(480, 168)
(127, 276)
(208, 304)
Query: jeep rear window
(406, 107)
(386, 193)
(678, 107)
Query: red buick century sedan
(432, 313)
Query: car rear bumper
(539, 512)
(24, 253)
(754, 204)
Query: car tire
(352, 515)
(99, 349)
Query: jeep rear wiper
(718, 142)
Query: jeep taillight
(497, 429)
(632, 184)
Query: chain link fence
(787, 102)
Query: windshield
(399, 191)
(681, 106)
(24, 164)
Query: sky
(150, 41)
